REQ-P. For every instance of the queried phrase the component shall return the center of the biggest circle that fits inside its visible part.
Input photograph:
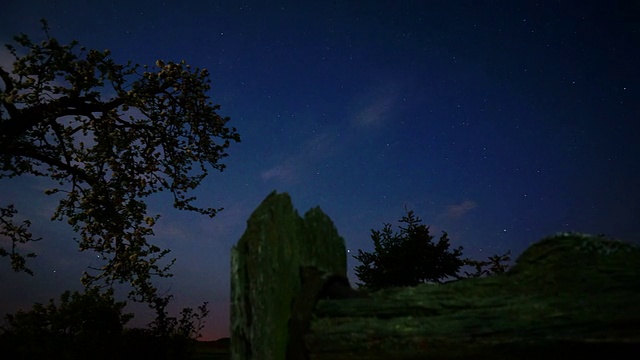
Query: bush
(83, 326)
(91, 325)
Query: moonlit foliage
(110, 135)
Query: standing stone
(267, 266)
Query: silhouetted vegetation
(411, 257)
(495, 264)
(91, 325)
(109, 135)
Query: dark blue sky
(500, 122)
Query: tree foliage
(18, 234)
(408, 257)
(494, 265)
(109, 135)
(80, 326)
(411, 257)
(91, 325)
(188, 326)
(169, 336)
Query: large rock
(568, 296)
(268, 266)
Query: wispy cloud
(228, 224)
(375, 113)
(170, 230)
(315, 149)
(377, 105)
(457, 210)
(284, 172)
(372, 109)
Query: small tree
(109, 135)
(188, 326)
(495, 265)
(407, 258)
(172, 338)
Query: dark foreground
(213, 350)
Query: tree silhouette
(81, 325)
(407, 258)
(494, 265)
(91, 325)
(109, 135)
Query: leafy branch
(109, 135)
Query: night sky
(500, 122)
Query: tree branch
(72, 170)
(8, 88)
(23, 120)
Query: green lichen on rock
(566, 293)
(265, 273)
(556, 248)
(581, 260)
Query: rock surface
(568, 296)
(267, 266)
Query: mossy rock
(580, 261)
(266, 266)
(566, 293)
(566, 250)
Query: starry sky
(500, 122)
